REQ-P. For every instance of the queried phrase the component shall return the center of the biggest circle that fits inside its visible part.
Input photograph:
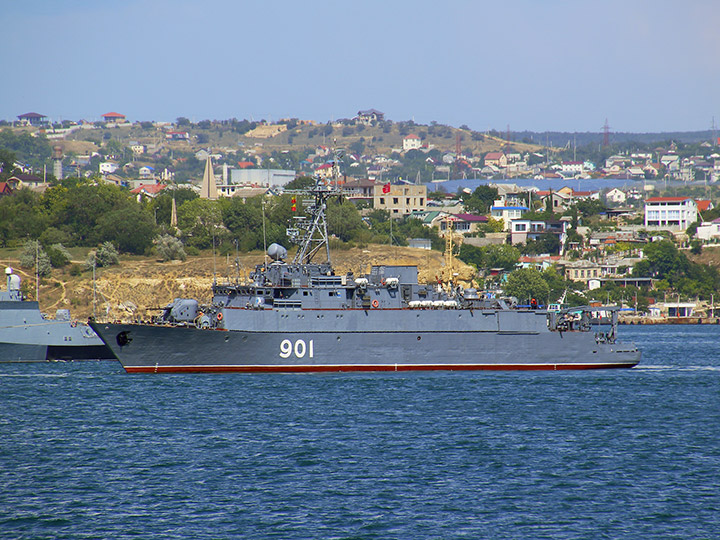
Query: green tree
(526, 284)
(21, 216)
(161, 206)
(547, 243)
(59, 256)
(130, 228)
(501, 256)
(300, 183)
(471, 255)
(481, 200)
(77, 209)
(662, 260)
(7, 164)
(200, 221)
(344, 220)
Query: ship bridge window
(306, 293)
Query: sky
(537, 65)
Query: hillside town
(478, 189)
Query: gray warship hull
(363, 340)
(302, 317)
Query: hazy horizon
(646, 67)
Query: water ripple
(90, 452)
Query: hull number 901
(299, 348)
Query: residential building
(703, 205)
(557, 201)
(507, 213)
(147, 190)
(582, 271)
(369, 117)
(361, 188)
(496, 159)
(463, 223)
(709, 230)
(5, 189)
(411, 142)
(420, 243)
(177, 136)
(324, 171)
(32, 119)
(430, 218)
(522, 230)
(262, 177)
(20, 181)
(571, 168)
(671, 213)
(539, 262)
(113, 117)
(616, 196)
(108, 167)
(401, 199)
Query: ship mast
(449, 272)
(310, 231)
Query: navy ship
(26, 335)
(299, 316)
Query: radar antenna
(310, 231)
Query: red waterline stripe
(348, 368)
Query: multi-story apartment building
(671, 213)
(400, 199)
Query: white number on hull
(300, 348)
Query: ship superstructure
(26, 335)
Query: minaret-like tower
(57, 157)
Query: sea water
(88, 451)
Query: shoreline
(669, 320)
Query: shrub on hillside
(105, 255)
(33, 254)
(59, 255)
(169, 248)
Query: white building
(709, 230)
(671, 213)
(108, 167)
(411, 142)
(262, 177)
(616, 196)
(507, 213)
(571, 167)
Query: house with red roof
(704, 205)
(177, 136)
(496, 159)
(148, 190)
(325, 170)
(411, 142)
(670, 213)
(114, 117)
(5, 189)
